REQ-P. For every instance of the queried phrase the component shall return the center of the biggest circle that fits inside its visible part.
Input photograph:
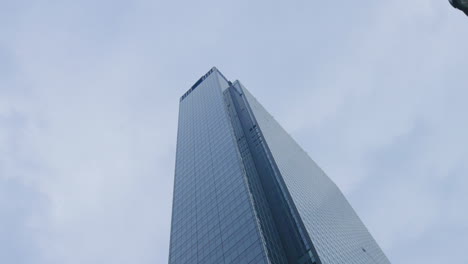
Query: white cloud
(88, 112)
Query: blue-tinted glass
(213, 219)
(245, 192)
(336, 232)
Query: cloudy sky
(375, 91)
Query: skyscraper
(246, 192)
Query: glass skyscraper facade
(246, 192)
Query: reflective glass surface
(246, 192)
(213, 220)
(336, 232)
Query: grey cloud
(88, 112)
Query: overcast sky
(375, 91)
